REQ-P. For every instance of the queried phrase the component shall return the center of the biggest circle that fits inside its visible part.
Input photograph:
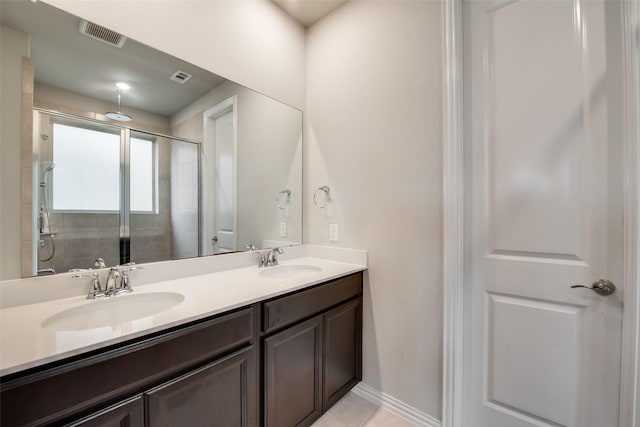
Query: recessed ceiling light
(123, 86)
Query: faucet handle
(125, 287)
(262, 257)
(272, 258)
(96, 289)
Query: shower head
(46, 172)
(117, 115)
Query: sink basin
(112, 311)
(284, 272)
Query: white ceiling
(67, 59)
(307, 12)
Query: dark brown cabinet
(278, 363)
(310, 363)
(81, 388)
(217, 395)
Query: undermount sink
(284, 272)
(112, 311)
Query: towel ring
(283, 198)
(326, 199)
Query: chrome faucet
(117, 280)
(268, 257)
(272, 256)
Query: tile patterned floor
(355, 411)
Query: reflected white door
(224, 223)
(218, 181)
(544, 211)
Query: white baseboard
(394, 405)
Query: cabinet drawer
(290, 309)
(77, 387)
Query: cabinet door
(220, 394)
(292, 381)
(125, 414)
(342, 361)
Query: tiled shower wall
(184, 203)
(79, 239)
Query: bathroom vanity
(278, 360)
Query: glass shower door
(164, 198)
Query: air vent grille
(101, 33)
(180, 77)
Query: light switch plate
(333, 232)
(283, 229)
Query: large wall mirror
(137, 156)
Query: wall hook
(322, 197)
(283, 198)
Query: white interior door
(219, 178)
(544, 211)
(224, 215)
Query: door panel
(518, 382)
(292, 375)
(342, 357)
(534, 146)
(544, 200)
(218, 394)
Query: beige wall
(14, 45)
(252, 42)
(373, 134)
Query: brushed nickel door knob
(601, 287)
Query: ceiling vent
(180, 77)
(101, 33)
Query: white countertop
(25, 343)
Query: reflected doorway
(220, 198)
